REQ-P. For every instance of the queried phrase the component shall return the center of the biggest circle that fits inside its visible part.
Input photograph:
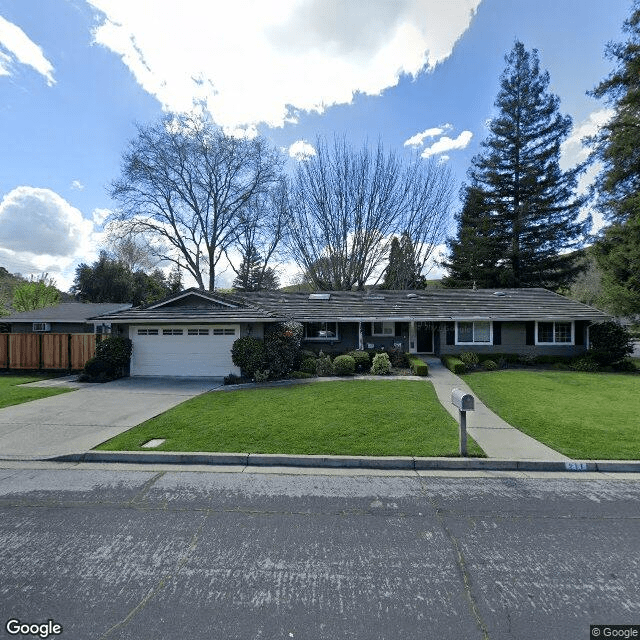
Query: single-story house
(67, 317)
(191, 333)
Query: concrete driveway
(78, 421)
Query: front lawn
(583, 415)
(359, 417)
(11, 394)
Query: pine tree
(617, 147)
(521, 202)
(253, 274)
(403, 271)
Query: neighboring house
(67, 317)
(191, 333)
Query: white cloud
(76, 184)
(418, 139)
(447, 144)
(40, 231)
(18, 47)
(253, 61)
(301, 150)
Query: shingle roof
(67, 312)
(429, 304)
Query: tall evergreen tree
(253, 274)
(521, 201)
(617, 147)
(403, 270)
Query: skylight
(319, 296)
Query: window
(477, 332)
(321, 330)
(147, 332)
(41, 326)
(554, 333)
(198, 332)
(383, 328)
(172, 332)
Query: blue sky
(76, 75)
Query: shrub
(470, 359)
(248, 353)
(381, 364)
(344, 365)
(454, 364)
(418, 367)
(398, 359)
(560, 366)
(324, 366)
(262, 375)
(96, 370)
(300, 375)
(307, 353)
(490, 365)
(627, 365)
(232, 378)
(362, 360)
(610, 342)
(585, 363)
(529, 359)
(282, 348)
(309, 365)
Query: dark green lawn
(11, 394)
(583, 415)
(359, 417)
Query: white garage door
(182, 350)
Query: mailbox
(462, 400)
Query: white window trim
(553, 322)
(326, 338)
(490, 341)
(384, 335)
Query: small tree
(282, 348)
(36, 294)
(248, 353)
(610, 342)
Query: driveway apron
(77, 421)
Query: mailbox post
(464, 402)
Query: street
(114, 553)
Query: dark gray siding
(56, 327)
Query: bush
(585, 363)
(344, 365)
(309, 365)
(307, 353)
(96, 370)
(610, 343)
(301, 375)
(248, 353)
(381, 365)
(262, 375)
(282, 348)
(490, 365)
(454, 364)
(232, 378)
(627, 366)
(324, 366)
(362, 360)
(418, 367)
(469, 359)
(398, 359)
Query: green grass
(583, 415)
(11, 394)
(359, 417)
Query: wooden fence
(66, 351)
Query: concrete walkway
(78, 421)
(498, 438)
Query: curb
(407, 463)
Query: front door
(424, 337)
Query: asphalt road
(169, 555)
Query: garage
(183, 350)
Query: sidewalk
(498, 438)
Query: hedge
(418, 367)
(454, 364)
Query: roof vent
(412, 296)
(500, 293)
(319, 296)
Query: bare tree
(184, 184)
(261, 226)
(346, 206)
